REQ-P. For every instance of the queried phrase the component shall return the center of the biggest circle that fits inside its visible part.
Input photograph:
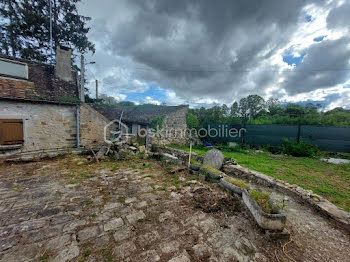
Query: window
(13, 68)
(11, 131)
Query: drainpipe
(78, 125)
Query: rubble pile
(121, 148)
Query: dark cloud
(219, 50)
(325, 65)
(339, 16)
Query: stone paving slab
(65, 212)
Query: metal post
(82, 79)
(96, 89)
(51, 49)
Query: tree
(234, 110)
(244, 109)
(273, 105)
(255, 105)
(192, 121)
(25, 30)
(9, 27)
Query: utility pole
(96, 89)
(82, 79)
(51, 49)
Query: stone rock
(7, 243)
(87, 233)
(148, 238)
(170, 158)
(113, 224)
(142, 149)
(101, 153)
(170, 247)
(67, 254)
(231, 162)
(132, 148)
(134, 217)
(165, 216)
(149, 256)
(337, 161)
(214, 158)
(125, 250)
(180, 258)
(122, 233)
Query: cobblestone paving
(136, 210)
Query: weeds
(262, 199)
(115, 168)
(237, 182)
(107, 254)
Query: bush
(299, 149)
(273, 149)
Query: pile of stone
(121, 149)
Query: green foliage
(262, 199)
(192, 121)
(301, 149)
(254, 110)
(25, 28)
(157, 121)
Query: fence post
(299, 131)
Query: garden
(329, 180)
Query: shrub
(299, 149)
(273, 149)
(262, 199)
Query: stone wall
(46, 126)
(92, 125)
(175, 124)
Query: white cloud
(208, 53)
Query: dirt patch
(212, 202)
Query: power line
(233, 70)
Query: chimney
(64, 63)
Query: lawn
(328, 180)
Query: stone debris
(337, 161)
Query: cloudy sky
(204, 52)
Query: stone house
(40, 107)
(138, 120)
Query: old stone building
(170, 119)
(40, 107)
(40, 110)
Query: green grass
(196, 163)
(328, 180)
(262, 199)
(208, 169)
(237, 182)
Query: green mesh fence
(336, 139)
